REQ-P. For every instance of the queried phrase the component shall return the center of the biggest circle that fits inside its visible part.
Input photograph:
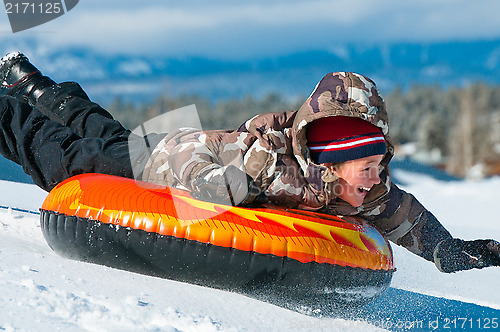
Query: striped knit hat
(337, 139)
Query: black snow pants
(66, 134)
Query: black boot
(20, 79)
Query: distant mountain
(10, 171)
(142, 78)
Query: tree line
(457, 129)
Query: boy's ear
(330, 175)
(331, 167)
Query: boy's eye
(377, 168)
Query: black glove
(457, 255)
(233, 187)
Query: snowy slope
(41, 291)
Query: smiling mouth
(363, 190)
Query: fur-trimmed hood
(340, 94)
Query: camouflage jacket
(272, 149)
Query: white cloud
(233, 29)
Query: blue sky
(246, 29)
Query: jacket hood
(340, 94)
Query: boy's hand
(232, 188)
(457, 255)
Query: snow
(40, 291)
(9, 56)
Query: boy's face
(356, 178)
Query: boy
(330, 155)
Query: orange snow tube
(298, 259)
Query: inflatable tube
(298, 259)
